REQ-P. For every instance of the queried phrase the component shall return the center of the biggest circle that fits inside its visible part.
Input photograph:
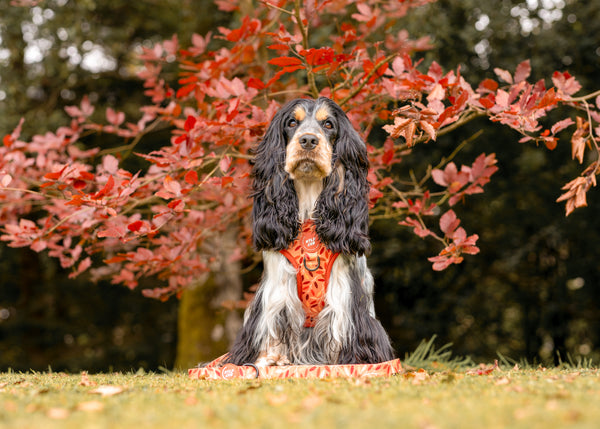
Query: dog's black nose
(308, 142)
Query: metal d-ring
(318, 264)
(253, 366)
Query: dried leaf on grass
(85, 380)
(58, 413)
(312, 401)
(277, 399)
(417, 377)
(90, 406)
(484, 369)
(108, 390)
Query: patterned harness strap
(313, 261)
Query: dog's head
(310, 140)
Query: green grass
(502, 397)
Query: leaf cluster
(83, 204)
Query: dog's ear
(275, 209)
(342, 210)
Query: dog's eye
(328, 124)
(292, 123)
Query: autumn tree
(124, 213)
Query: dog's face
(311, 129)
(311, 163)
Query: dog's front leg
(272, 323)
(282, 316)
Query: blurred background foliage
(531, 293)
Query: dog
(314, 304)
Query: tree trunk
(205, 328)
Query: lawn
(484, 397)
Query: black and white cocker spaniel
(314, 304)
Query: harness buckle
(315, 268)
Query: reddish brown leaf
(449, 222)
(191, 177)
(255, 83)
(285, 61)
(489, 85)
(565, 83)
(110, 184)
(85, 380)
(185, 90)
(135, 226)
(176, 205)
(278, 47)
(523, 71)
(79, 184)
(189, 123)
(504, 75)
(117, 231)
(561, 125)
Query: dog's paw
(272, 359)
(282, 361)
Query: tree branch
(357, 89)
(304, 31)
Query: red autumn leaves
(215, 98)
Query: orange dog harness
(313, 261)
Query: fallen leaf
(31, 408)
(276, 400)
(311, 402)
(85, 380)
(108, 390)
(191, 400)
(58, 413)
(90, 406)
(417, 377)
(484, 369)
(501, 381)
(10, 406)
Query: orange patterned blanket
(228, 371)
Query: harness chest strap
(313, 262)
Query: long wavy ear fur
(275, 209)
(342, 210)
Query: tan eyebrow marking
(299, 113)
(322, 114)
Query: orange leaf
(255, 83)
(278, 46)
(84, 175)
(185, 90)
(176, 205)
(226, 181)
(115, 259)
(53, 176)
(285, 61)
(191, 177)
(85, 380)
(110, 184)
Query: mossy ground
(492, 398)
